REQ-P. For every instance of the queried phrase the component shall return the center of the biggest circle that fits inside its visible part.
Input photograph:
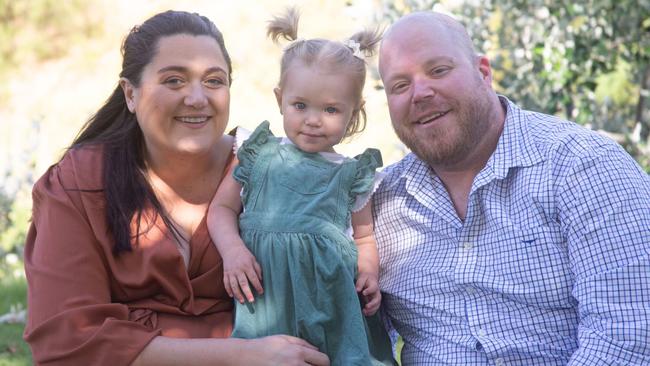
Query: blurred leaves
(36, 30)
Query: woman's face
(182, 103)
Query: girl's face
(317, 105)
(182, 103)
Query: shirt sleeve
(71, 319)
(604, 209)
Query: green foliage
(14, 294)
(13, 350)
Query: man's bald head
(436, 23)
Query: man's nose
(422, 90)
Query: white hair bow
(355, 47)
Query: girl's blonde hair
(323, 52)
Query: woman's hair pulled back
(126, 188)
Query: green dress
(297, 209)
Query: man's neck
(458, 177)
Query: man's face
(438, 93)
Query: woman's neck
(192, 178)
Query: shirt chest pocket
(536, 260)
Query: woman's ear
(129, 93)
(278, 97)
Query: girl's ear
(129, 93)
(278, 97)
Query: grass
(13, 350)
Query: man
(507, 237)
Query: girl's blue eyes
(301, 106)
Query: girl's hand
(284, 350)
(240, 269)
(368, 288)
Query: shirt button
(467, 245)
(482, 333)
(499, 362)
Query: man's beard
(451, 144)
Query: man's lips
(429, 118)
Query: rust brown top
(87, 306)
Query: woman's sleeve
(367, 179)
(71, 319)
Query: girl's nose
(312, 119)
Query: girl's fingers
(258, 270)
(226, 285)
(254, 280)
(361, 282)
(242, 282)
(234, 284)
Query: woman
(120, 267)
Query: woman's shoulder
(80, 168)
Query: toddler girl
(305, 207)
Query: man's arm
(604, 210)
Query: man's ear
(278, 97)
(485, 70)
(129, 93)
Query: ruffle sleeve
(247, 149)
(367, 179)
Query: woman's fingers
(316, 358)
(298, 341)
(309, 353)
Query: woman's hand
(240, 269)
(368, 288)
(283, 350)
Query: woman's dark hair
(126, 188)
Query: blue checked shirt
(550, 267)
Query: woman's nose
(196, 97)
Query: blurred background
(585, 60)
